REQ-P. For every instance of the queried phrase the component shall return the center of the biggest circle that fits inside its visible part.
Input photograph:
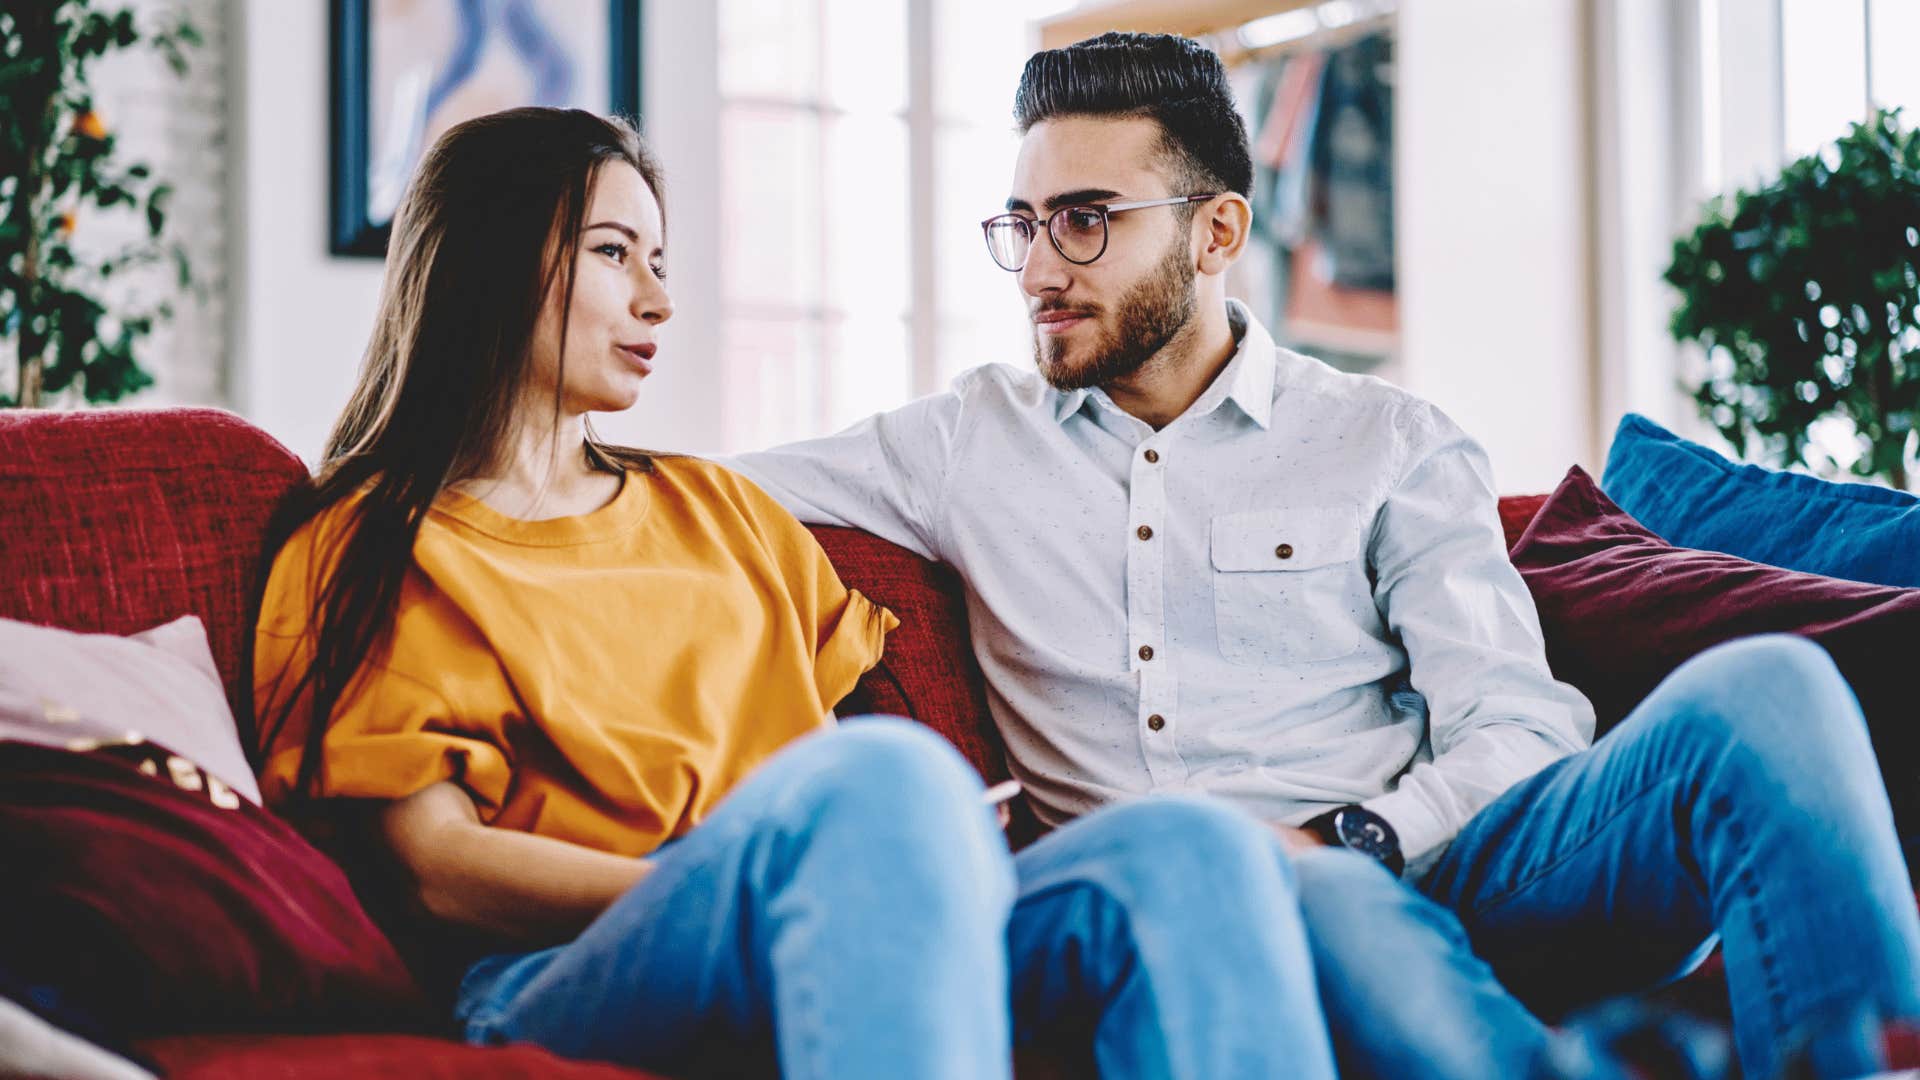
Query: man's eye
(1083, 219)
(616, 252)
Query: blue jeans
(1741, 802)
(851, 910)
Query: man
(1195, 562)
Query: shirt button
(1156, 722)
(1285, 551)
(1153, 456)
(1146, 652)
(1144, 532)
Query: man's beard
(1149, 315)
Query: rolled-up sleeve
(1475, 651)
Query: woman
(586, 695)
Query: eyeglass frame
(1107, 210)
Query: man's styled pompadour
(1176, 81)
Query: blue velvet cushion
(1693, 497)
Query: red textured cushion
(1516, 513)
(1622, 609)
(412, 1057)
(928, 672)
(122, 519)
(364, 1057)
(155, 910)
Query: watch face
(1367, 832)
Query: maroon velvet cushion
(122, 519)
(364, 1057)
(928, 671)
(1622, 608)
(155, 910)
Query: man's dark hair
(1175, 81)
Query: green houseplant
(57, 167)
(1806, 296)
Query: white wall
(301, 317)
(1493, 274)
(1494, 249)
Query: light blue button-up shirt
(1294, 596)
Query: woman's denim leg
(1167, 931)
(847, 904)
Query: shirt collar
(1247, 380)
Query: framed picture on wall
(406, 70)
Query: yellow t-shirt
(604, 679)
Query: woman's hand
(512, 884)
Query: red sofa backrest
(115, 520)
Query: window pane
(1823, 48)
(866, 56)
(867, 267)
(968, 339)
(772, 379)
(981, 46)
(869, 368)
(770, 49)
(974, 171)
(771, 220)
(1896, 75)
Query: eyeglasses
(1079, 233)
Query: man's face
(1100, 322)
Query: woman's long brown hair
(487, 230)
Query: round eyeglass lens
(1008, 240)
(1080, 232)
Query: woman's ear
(1225, 223)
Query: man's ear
(1224, 223)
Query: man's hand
(1294, 838)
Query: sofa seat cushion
(1622, 608)
(364, 1057)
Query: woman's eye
(616, 252)
(659, 270)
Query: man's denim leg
(1743, 798)
(1404, 994)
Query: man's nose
(1046, 270)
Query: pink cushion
(154, 908)
(1622, 609)
(121, 519)
(58, 687)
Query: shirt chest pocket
(1288, 584)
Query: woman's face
(619, 301)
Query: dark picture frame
(349, 228)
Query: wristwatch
(1360, 829)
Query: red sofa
(115, 521)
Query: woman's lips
(641, 356)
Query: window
(860, 145)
